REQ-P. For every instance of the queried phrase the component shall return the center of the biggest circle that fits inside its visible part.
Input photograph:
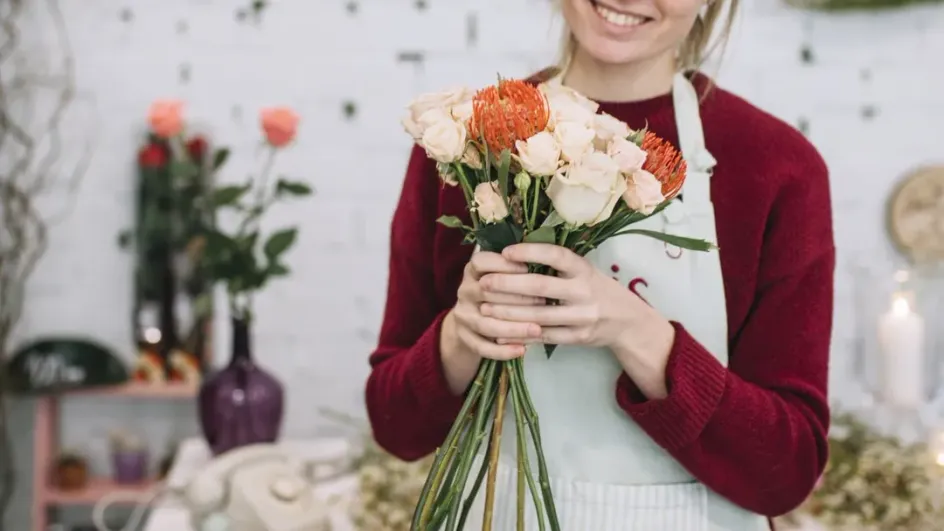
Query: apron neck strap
(688, 122)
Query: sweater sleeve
(409, 403)
(756, 431)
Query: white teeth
(618, 18)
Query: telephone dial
(262, 487)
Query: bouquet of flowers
(537, 163)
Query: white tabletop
(193, 455)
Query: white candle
(901, 340)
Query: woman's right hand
(467, 336)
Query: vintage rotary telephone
(262, 487)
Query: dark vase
(241, 404)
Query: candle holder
(129, 459)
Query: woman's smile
(618, 20)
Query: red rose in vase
(197, 148)
(152, 156)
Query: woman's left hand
(594, 309)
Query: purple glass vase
(241, 404)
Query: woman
(689, 393)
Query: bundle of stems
(443, 504)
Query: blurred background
(77, 79)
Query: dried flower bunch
(388, 490)
(876, 483)
(539, 164)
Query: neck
(242, 348)
(620, 82)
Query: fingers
(483, 263)
(542, 315)
(532, 285)
(566, 335)
(510, 299)
(488, 349)
(563, 260)
(469, 316)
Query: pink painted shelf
(45, 442)
(168, 390)
(96, 489)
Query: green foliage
(245, 260)
(857, 5)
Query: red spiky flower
(665, 163)
(509, 111)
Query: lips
(617, 17)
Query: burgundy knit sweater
(754, 432)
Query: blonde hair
(717, 18)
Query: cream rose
(472, 157)
(444, 102)
(539, 155)
(568, 105)
(574, 139)
(489, 204)
(643, 192)
(586, 192)
(609, 127)
(444, 141)
(628, 156)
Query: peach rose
(280, 125)
(643, 192)
(166, 118)
(489, 203)
(627, 155)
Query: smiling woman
(700, 407)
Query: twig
(495, 448)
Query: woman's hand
(468, 335)
(593, 310)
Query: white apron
(606, 473)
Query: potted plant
(242, 403)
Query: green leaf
(553, 219)
(452, 222)
(219, 158)
(545, 234)
(279, 242)
(495, 237)
(504, 165)
(230, 194)
(184, 169)
(296, 188)
(277, 270)
(683, 242)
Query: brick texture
(862, 86)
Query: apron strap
(696, 190)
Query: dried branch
(33, 105)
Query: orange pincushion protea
(504, 113)
(665, 163)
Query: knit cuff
(427, 376)
(695, 382)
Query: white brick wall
(316, 329)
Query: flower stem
(524, 464)
(469, 193)
(423, 507)
(478, 434)
(495, 448)
(531, 418)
